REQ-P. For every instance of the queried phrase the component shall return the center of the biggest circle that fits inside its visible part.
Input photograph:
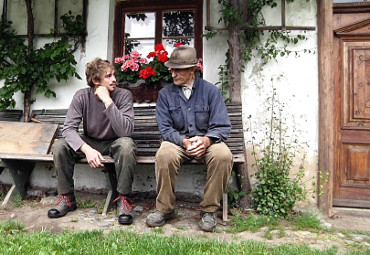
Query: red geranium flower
(178, 44)
(130, 68)
(147, 72)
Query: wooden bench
(147, 138)
(9, 115)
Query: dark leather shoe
(124, 210)
(65, 204)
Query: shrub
(275, 192)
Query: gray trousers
(123, 150)
(168, 159)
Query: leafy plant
(128, 66)
(319, 190)
(223, 82)
(23, 67)
(132, 67)
(275, 192)
(234, 196)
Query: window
(141, 24)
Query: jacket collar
(178, 89)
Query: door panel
(352, 151)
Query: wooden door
(352, 111)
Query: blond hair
(96, 69)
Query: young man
(108, 121)
(194, 122)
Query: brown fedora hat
(182, 57)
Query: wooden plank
(238, 158)
(326, 102)
(26, 138)
(11, 115)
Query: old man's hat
(182, 57)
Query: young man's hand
(104, 95)
(93, 156)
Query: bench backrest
(146, 133)
(11, 115)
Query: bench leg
(224, 208)
(243, 179)
(112, 193)
(9, 196)
(2, 166)
(21, 172)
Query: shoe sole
(54, 216)
(155, 224)
(128, 221)
(169, 216)
(206, 229)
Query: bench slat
(238, 158)
(146, 133)
(11, 115)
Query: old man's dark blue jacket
(204, 114)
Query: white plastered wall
(296, 80)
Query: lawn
(15, 240)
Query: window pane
(43, 23)
(140, 25)
(143, 46)
(169, 45)
(75, 6)
(178, 27)
(17, 13)
(166, 22)
(139, 32)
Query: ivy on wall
(254, 40)
(24, 67)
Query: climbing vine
(255, 42)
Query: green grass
(87, 203)
(251, 222)
(17, 200)
(14, 240)
(125, 242)
(11, 227)
(2, 195)
(306, 221)
(254, 222)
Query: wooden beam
(326, 103)
(235, 59)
